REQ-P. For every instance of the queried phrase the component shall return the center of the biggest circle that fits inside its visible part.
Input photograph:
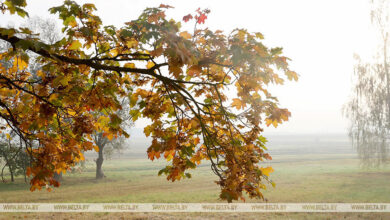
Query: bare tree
(369, 107)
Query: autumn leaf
(185, 35)
(20, 63)
(113, 52)
(165, 6)
(157, 52)
(202, 17)
(187, 18)
(269, 121)
(150, 65)
(90, 145)
(175, 70)
(292, 75)
(132, 43)
(73, 23)
(266, 171)
(96, 148)
(193, 124)
(75, 45)
(129, 65)
(194, 70)
(238, 103)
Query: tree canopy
(205, 93)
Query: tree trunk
(24, 173)
(11, 172)
(99, 164)
(57, 176)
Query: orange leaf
(185, 35)
(238, 103)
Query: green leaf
(135, 114)
(115, 120)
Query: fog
(320, 37)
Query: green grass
(312, 178)
(135, 180)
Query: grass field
(136, 180)
(299, 178)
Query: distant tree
(369, 106)
(116, 144)
(13, 157)
(206, 93)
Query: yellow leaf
(147, 130)
(41, 74)
(193, 124)
(71, 112)
(129, 65)
(169, 157)
(150, 65)
(269, 121)
(185, 35)
(292, 75)
(259, 35)
(65, 80)
(266, 171)
(53, 97)
(241, 35)
(21, 64)
(113, 52)
(73, 23)
(132, 43)
(278, 80)
(256, 95)
(82, 157)
(8, 136)
(75, 45)
(201, 40)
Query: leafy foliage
(205, 94)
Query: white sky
(319, 36)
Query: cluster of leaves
(200, 17)
(205, 94)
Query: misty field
(136, 180)
(306, 176)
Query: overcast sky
(319, 36)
